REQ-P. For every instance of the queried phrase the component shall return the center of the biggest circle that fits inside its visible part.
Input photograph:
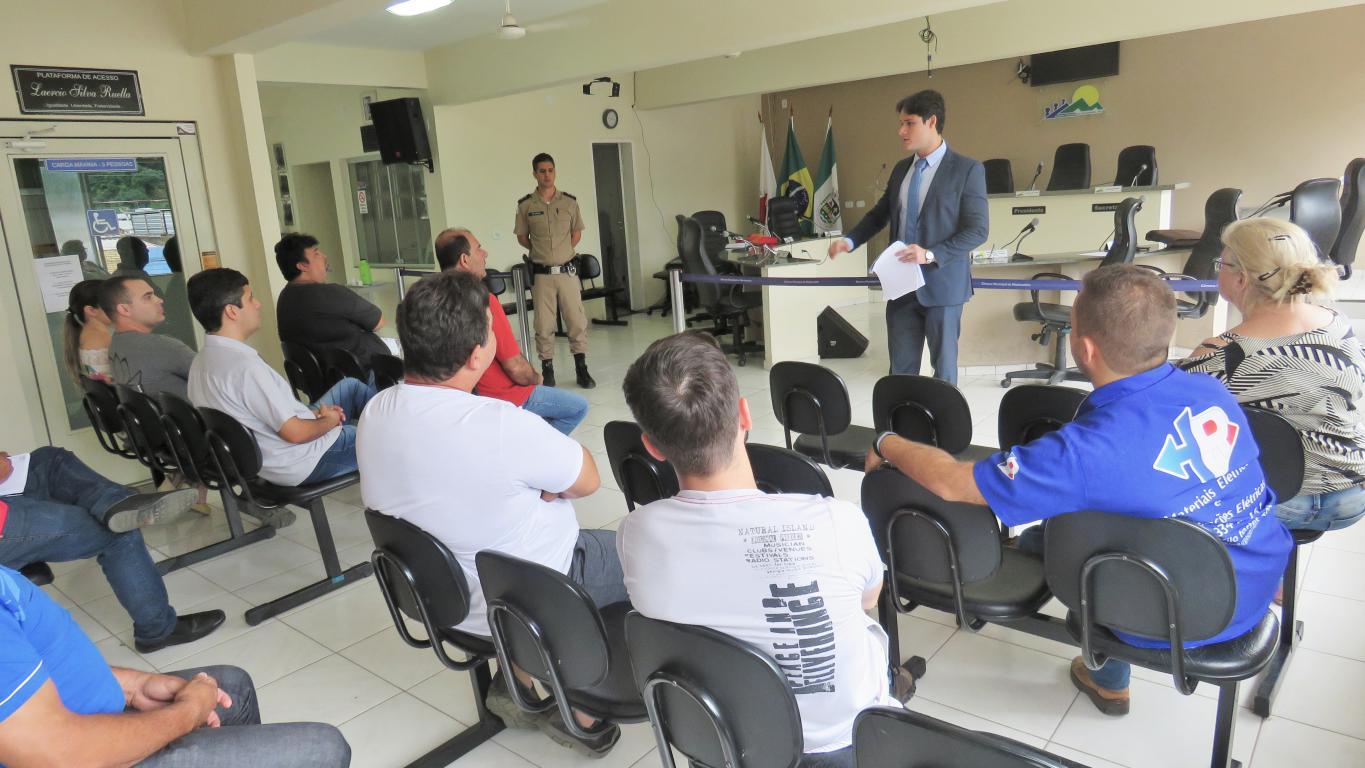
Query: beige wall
(1261, 105)
(685, 159)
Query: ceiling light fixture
(415, 7)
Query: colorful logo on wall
(1084, 101)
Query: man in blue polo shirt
(1150, 441)
(62, 704)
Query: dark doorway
(612, 221)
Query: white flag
(828, 214)
(767, 182)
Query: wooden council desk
(1076, 219)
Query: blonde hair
(1280, 261)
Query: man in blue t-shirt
(62, 704)
(1150, 441)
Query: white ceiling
(461, 20)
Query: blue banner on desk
(90, 165)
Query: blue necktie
(910, 232)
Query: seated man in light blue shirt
(299, 445)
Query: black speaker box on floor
(401, 132)
(837, 337)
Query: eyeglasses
(1223, 261)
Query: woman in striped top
(1296, 358)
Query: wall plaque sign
(71, 91)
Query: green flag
(795, 178)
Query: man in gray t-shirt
(138, 357)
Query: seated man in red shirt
(511, 377)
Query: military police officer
(549, 226)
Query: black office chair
(422, 581)
(1315, 205)
(717, 700)
(778, 470)
(548, 626)
(388, 370)
(642, 478)
(1131, 172)
(1056, 318)
(999, 176)
(1343, 251)
(713, 228)
(1165, 579)
(1070, 168)
(728, 305)
(342, 364)
(813, 401)
(1220, 210)
(1030, 411)
(237, 465)
(1282, 461)
(784, 217)
(946, 555)
(101, 407)
(926, 410)
(305, 372)
(895, 737)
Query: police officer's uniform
(551, 227)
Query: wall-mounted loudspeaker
(401, 131)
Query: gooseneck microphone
(1021, 237)
(1141, 170)
(1036, 174)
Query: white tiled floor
(340, 660)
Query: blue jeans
(909, 323)
(1113, 674)
(242, 740)
(58, 519)
(563, 409)
(352, 395)
(1324, 511)
(596, 567)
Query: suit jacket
(952, 222)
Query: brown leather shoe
(1109, 702)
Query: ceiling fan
(511, 29)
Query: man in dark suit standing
(935, 203)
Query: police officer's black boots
(585, 379)
(547, 372)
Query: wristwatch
(877, 444)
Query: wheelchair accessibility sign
(103, 222)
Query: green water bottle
(366, 277)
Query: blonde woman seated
(86, 333)
(1296, 357)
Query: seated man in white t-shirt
(479, 473)
(792, 575)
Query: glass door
(83, 209)
(389, 203)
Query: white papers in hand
(898, 277)
(14, 484)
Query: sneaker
(595, 748)
(499, 702)
(202, 508)
(275, 517)
(147, 508)
(1109, 702)
(188, 628)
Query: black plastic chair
(1282, 461)
(1220, 210)
(421, 579)
(1131, 172)
(727, 305)
(237, 464)
(719, 701)
(1165, 579)
(926, 410)
(642, 478)
(813, 401)
(1030, 411)
(142, 424)
(946, 555)
(894, 737)
(999, 176)
(778, 470)
(1315, 205)
(547, 625)
(1070, 168)
(101, 407)
(305, 372)
(341, 364)
(784, 217)
(1343, 252)
(388, 370)
(1056, 318)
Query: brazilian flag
(796, 180)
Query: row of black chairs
(312, 373)
(1071, 169)
(207, 447)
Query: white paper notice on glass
(898, 277)
(56, 276)
(18, 477)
